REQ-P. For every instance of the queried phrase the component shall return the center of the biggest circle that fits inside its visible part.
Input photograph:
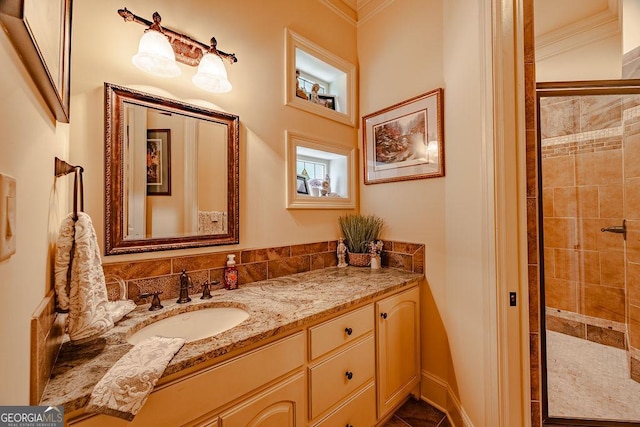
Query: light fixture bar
(187, 50)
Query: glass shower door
(589, 162)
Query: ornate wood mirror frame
(203, 193)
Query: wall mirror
(172, 174)
(318, 81)
(319, 174)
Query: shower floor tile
(589, 380)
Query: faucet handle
(155, 302)
(206, 290)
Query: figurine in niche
(300, 93)
(326, 186)
(342, 252)
(314, 94)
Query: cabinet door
(280, 406)
(398, 349)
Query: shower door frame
(557, 89)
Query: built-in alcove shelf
(310, 161)
(306, 64)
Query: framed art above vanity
(171, 174)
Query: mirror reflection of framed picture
(158, 162)
(302, 187)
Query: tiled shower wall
(605, 285)
(632, 214)
(631, 131)
(582, 164)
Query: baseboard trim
(437, 392)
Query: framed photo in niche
(302, 186)
(158, 162)
(329, 101)
(405, 141)
(40, 31)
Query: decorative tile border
(583, 136)
(601, 331)
(579, 147)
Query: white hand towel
(126, 386)
(90, 312)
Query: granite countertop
(274, 306)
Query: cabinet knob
(383, 315)
(349, 425)
(349, 375)
(349, 331)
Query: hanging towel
(79, 281)
(126, 386)
(213, 222)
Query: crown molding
(346, 9)
(357, 12)
(367, 9)
(595, 28)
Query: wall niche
(309, 65)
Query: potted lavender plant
(358, 231)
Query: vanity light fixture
(161, 47)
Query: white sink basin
(193, 325)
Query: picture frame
(41, 35)
(302, 186)
(158, 162)
(328, 100)
(405, 141)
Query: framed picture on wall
(405, 141)
(158, 162)
(40, 31)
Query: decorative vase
(375, 262)
(359, 259)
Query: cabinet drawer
(194, 396)
(329, 380)
(359, 411)
(343, 329)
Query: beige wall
(257, 98)
(630, 30)
(579, 63)
(446, 214)
(29, 141)
(101, 52)
(440, 48)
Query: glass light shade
(155, 55)
(212, 76)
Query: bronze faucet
(185, 284)
(155, 302)
(206, 289)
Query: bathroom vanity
(331, 347)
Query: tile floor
(416, 413)
(589, 380)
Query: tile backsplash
(253, 265)
(163, 274)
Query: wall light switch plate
(7, 216)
